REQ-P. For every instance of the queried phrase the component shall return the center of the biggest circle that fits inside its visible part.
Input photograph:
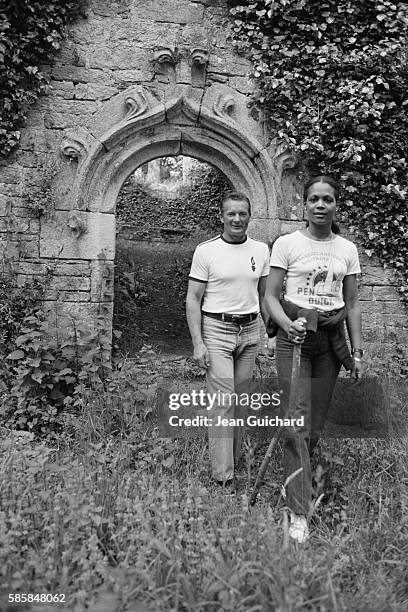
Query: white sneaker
(298, 529)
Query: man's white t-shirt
(315, 269)
(232, 272)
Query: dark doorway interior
(164, 210)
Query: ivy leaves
(331, 80)
(30, 34)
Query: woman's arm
(353, 320)
(273, 307)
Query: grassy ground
(118, 519)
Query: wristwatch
(358, 350)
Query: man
(226, 287)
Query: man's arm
(195, 294)
(261, 293)
(353, 320)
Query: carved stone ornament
(75, 144)
(224, 106)
(77, 225)
(285, 160)
(165, 55)
(137, 104)
(199, 57)
(73, 148)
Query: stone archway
(131, 129)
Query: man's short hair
(238, 196)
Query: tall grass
(120, 519)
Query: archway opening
(164, 209)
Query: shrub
(331, 81)
(51, 373)
(15, 304)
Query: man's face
(235, 217)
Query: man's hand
(201, 356)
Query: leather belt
(230, 318)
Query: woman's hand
(357, 369)
(297, 331)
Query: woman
(319, 268)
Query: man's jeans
(232, 350)
(319, 369)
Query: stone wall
(137, 80)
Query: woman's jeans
(232, 350)
(319, 368)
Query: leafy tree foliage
(332, 82)
(30, 34)
(196, 207)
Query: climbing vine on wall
(331, 79)
(30, 34)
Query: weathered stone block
(39, 140)
(365, 292)
(384, 308)
(84, 91)
(377, 275)
(96, 242)
(67, 314)
(386, 293)
(10, 174)
(69, 113)
(78, 74)
(63, 89)
(67, 296)
(263, 229)
(118, 56)
(73, 283)
(112, 8)
(287, 227)
(14, 224)
(55, 267)
(144, 35)
(28, 159)
(28, 248)
(125, 78)
(11, 189)
(9, 249)
(373, 333)
(102, 279)
(5, 205)
(54, 284)
(177, 11)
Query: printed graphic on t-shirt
(315, 271)
(321, 283)
(253, 266)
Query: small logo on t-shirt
(253, 264)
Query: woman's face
(321, 204)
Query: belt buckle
(235, 319)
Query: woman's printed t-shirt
(232, 272)
(315, 269)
